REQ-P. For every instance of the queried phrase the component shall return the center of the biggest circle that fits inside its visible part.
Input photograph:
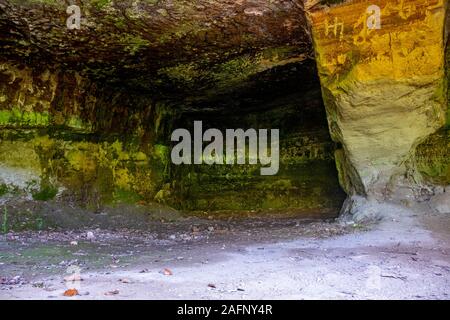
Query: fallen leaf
(70, 293)
(167, 272)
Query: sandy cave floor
(406, 257)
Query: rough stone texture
(384, 90)
(162, 47)
(441, 201)
(93, 109)
(87, 114)
(433, 158)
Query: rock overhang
(169, 48)
(179, 61)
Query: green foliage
(3, 189)
(5, 220)
(46, 193)
(447, 55)
(99, 4)
(39, 223)
(126, 196)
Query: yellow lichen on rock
(382, 71)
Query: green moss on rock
(19, 118)
(433, 158)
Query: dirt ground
(404, 256)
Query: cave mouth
(118, 149)
(86, 115)
(287, 98)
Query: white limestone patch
(18, 177)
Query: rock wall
(86, 114)
(93, 109)
(385, 91)
(63, 136)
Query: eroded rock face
(384, 89)
(66, 135)
(87, 114)
(93, 109)
(161, 47)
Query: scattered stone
(17, 280)
(112, 293)
(90, 235)
(38, 285)
(49, 288)
(441, 202)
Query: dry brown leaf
(167, 272)
(70, 293)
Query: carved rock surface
(384, 89)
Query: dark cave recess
(99, 125)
